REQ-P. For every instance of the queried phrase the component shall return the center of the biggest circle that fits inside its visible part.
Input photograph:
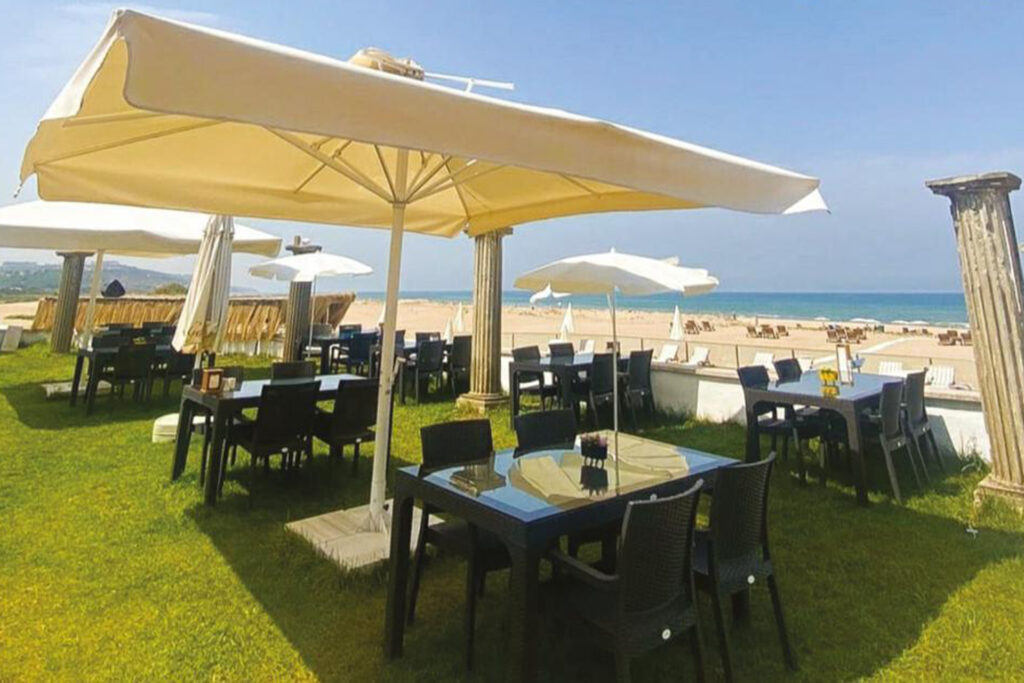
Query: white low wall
(715, 394)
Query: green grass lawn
(110, 571)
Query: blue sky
(872, 97)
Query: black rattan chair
(790, 425)
(561, 350)
(427, 365)
(446, 445)
(788, 369)
(351, 420)
(918, 425)
(177, 366)
(887, 425)
(600, 386)
(732, 554)
(532, 383)
(283, 426)
(360, 352)
(427, 336)
(651, 597)
(545, 429)
(638, 386)
(133, 365)
(299, 369)
(459, 360)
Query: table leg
(183, 438)
(524, 588)
(79, 362)
(514, 387)
(857, 455)
(213, 465)
(401, 533)
(92, 385)
(753, 437)
(325, 359)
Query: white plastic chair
(765, 358)
(805, 363)
(892, 368)
(668, 353)
(940, 376)
(699, 356)
(587, 346)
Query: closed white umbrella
(307, 268)
(157, 115)
(448, 335)
(612, 272)
(200, 326)
(459, 325)
(547, 293)
(675, 331)
(568, 324)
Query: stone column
(67, 300)
(990, 264)
(485, 367)
(296, 324)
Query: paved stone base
(342, 536)
(1004, 490)
(62, 390)
(481, 403)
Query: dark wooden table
(528, 519)
(98, 358)
(222, 407)
(850, 403)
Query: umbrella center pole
(85, 338)
(615, 386)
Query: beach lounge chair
(707, 326)
(940, 376)
(668, 353)
(833, 335)
(765, 359)
(781, 331)
(892, 368)
(699, 357)
(11, 338)
(692, 327)
(752, 332)
(768, 332)
(965, 338)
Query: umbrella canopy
(307, 267)
(117, 229)
(167, 114)
(547, 293)
(675, 331)
(459, 325)
(205, 311)
(568, 322)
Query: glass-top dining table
(529, 501)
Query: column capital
(982, 182)
(500, 232)
(83, 254)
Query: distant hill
(22, 277)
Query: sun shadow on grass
(34, 411)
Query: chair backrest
(462, 352)
(668, 353)
(788, 369)
(602, 374)
(561, 349)
(764, 358)
(181, 363)
(153, 325)
(134, 361)
(427, 336)
(360, 345)
(640, 370)
(285, 412)
(893, 368)
(753, 376)
(343, 329)
(298, 369)
(451, 443)
(700, 356)
(526, 353)
(545, 429)
(738, 516)
(108, 340)
(913, 395)
(118, 326)
(322, 330)
(429, 355)
(889, 406)
(355, 408)
(656, 552)
(940, 376)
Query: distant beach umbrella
(547, 293)
(610, 273)
(380, 318)
(568, 323)
(865, 321)
(459, 325)
(822, 319)
(675, 331)
(448, 335)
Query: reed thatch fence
(250, 319)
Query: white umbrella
(200, 326)
(115, 229)
(568, 324)
(675, 331)
(611, 272)
(307, 268)
(381, 317)
(459, 325)
(448, 335)
(157, 115)
(547, 293)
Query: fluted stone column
(485, 367)
(991, 270)
(296, 324)
(67, 300)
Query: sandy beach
(728, 345)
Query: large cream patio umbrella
(117, 230)
(163, 113)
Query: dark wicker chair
(918, 425)
(788, 369)
(887, 426)
(133, 365)
(561, 349)
(283, 426)
(446, 445)
(459, 360)
(299, 369)
(177, 366)
(351, 420)
(600, 386)
(359, 357)
(427, 365)
(545, 429)
(790, 425)
(732, 554)
(651, 597)
(532, 383)
(638, 386)
(427, 336)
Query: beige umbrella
(163, 113)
